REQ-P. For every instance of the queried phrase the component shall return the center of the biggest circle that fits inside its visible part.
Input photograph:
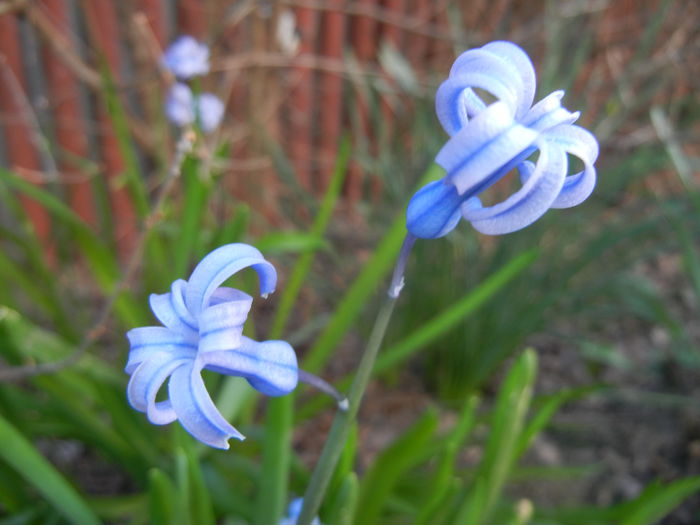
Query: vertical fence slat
(331, 90)
(103, 31)
(364, 43)
(301, 101)
(69, 129)
(21, 150)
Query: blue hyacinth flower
(202, 328)
(184, 108)
(186, 58)
(293, 512)
(488, 140)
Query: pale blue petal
(148, 340)
(186, 58)
(146, 381)
(581, 143)
(501, 68)
(270, 366)
(548, 113)
(221, 324)
(517, 57)
(448, 96)
(221, 264)
(195, 409)
(479, 154)
(170, 310)
(210, 111)
(434, 210)
(541, 187)
(179, 105)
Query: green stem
(343, 420)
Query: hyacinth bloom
(184, 108)
(202, 328)
(489, 140)
(293, 512)
(186, 58)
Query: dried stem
(184, 146)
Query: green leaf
(501, 448)
(196, 190)
(345, 503)
(443, 479)
(656, 501)
(290, 242)
(447, 319)
(362, 288)
(380, 480)
(17, 452)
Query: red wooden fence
(293, 91)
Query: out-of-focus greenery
(469, 306)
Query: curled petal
(548, 113)
(221, 325)
(581, 143)
(148, 340)
(195, 409)
(434, 210)
(270, 367)
(170, 310)
(146, 381)
(501, 68)
(448, 102)
(483, 151)
(221, 264)
(515, 55)
(541, 187)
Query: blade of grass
(38, 472)
(506, 426)
(364, 285)
(443, 322)
(657, 501)
(392, 463)
(444, 475)
(195, 192)
(440, 324)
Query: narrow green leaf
(362, 288)
(656, 501)
(161, 496)
(195, 192)
(544, 414)
(290, 242)
(506, 426)
(443, 479)
(37, 471)
(345, 503)
(447, 319)
(200, 503)
(380, 480)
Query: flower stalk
(343, 419)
